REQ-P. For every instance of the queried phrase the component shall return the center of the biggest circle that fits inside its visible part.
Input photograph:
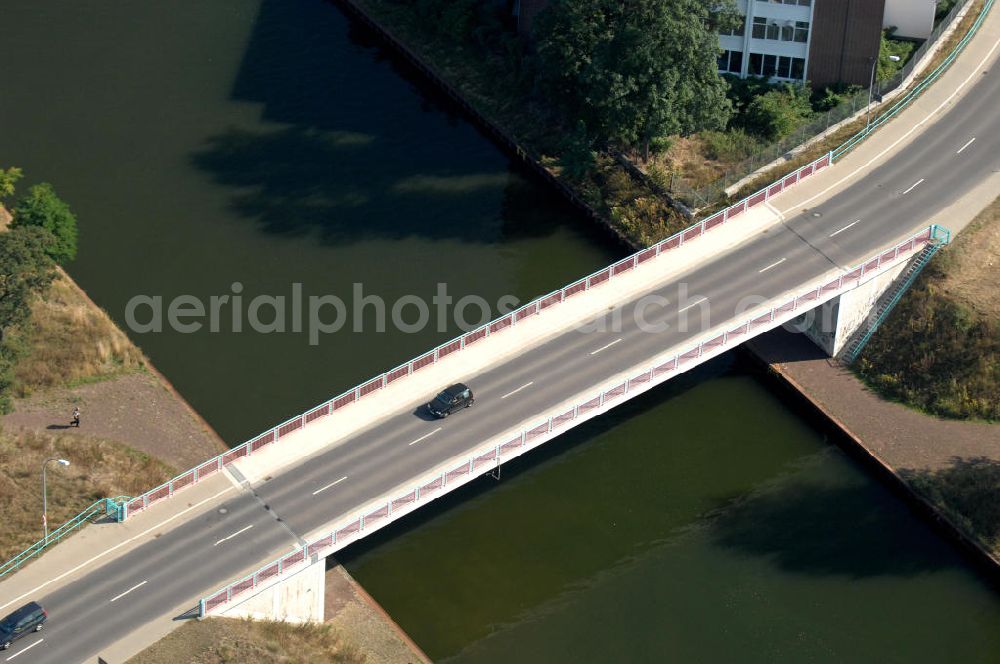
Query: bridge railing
(355, 394)
(103, 507)
(384, 510)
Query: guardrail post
(201, 608)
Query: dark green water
(270, 142)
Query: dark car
(454, 398)
(29, 618)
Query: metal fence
(103, 507)
(701, 196)
(214, 465)
(383, 511)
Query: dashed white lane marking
(241, 530)
(138, 585)
(966, 145)
(693, 304)
(976, 71)
(913, 186)
(774, 264)
(330, 485)
(513, 392)
(25, 650)
(607, 346)
(844, 228)
(158, 526)
(426, 435)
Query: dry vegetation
(70, 340)
(98, 469)
(226, 640)
(940, 350)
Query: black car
(454, 398)
(29, 618)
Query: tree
(8, 178)
(778, 113)
(631, 71)
(42, 208)
(25, 271)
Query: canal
(271, 143)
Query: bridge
(246, 533)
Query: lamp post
(45, 497)
(871, 88)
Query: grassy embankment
(940, 353)
(225, 641)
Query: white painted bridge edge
(463, 468)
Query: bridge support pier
(297, 598)
(834, 323)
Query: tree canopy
(631, 71)
(8, 178)
(42, 208)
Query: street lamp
(871, 88)
(45, 497)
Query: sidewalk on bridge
(100, 543)
(979, 55)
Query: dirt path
(905, 438)
(136, 409)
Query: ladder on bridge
(889, 300)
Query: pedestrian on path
(76, 417)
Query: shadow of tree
(353, 155)
(846, 530)
(968, 490)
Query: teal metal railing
(908, 98)
(104, 507)
(939, 237)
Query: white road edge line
(844, 228)
(606, 347)
(26, 649)
(426, 435)
(913, 186)
(518, 389)
(966, 145)
(975, 72)
(241, 530)
(693, 304)
(774, 264)
(138, 585)
(330, 485)
(34, 591)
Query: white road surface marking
(966, 145)
(844, 228)
(158, 526)
(330, 485)
(426, 435)
(138, 585)
(241, 530)
(606, 347)
(913, 186)
(518, 390)
(774, 264)
(693, 304)
(25, 650)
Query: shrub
(43, 209)
(778, 113)
(731, 146)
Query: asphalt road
(210, 550)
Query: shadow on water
(806, 527)
(342, 162)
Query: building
(821, 41)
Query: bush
(778, 113)
(734, 145)
(833, 96)
(43, 209)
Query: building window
(801, 31)
(731, 62)
(800, 3)
(776, 66)
(762, 29)
(735, 32)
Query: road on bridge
(937, 168)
